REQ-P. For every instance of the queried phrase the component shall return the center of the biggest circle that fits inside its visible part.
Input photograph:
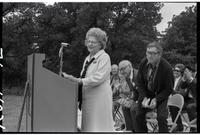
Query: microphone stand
(61, 56)
(61, 60)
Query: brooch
(94, 61)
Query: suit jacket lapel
(177, 85)
(145, 72)
(157, 77)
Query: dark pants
(130, 117)
(133, 111)
(162, 115)
(127, 117)
(190, 108)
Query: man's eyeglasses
(151, 53)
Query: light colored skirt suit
(97, 95)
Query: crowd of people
(183, 82)
(104, 88)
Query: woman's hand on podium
(65, 75)
(72, 78)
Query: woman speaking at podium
(95, 94)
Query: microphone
(65, 44)
(61, 48)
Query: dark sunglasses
(176, 70)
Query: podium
(52, 99)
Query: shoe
(78, 129)
(133, 131)
(193, 130)
(123, 126)
(178, 130)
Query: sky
(167, 12)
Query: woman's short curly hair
(99, 34)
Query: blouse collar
(96, 55)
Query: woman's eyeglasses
(92, 42)
(123, 68)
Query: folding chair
(188, 124)
(176, 100)
(117, 115)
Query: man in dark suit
(190, 98)
(155, 83)
(178, 73)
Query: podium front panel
(54, 100)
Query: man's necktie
(87, 64)
(150, 78)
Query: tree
(180, 40)
(129, 26)
(18, 32)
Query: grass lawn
(11, 111)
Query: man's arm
(140, 84)
(182, 88)
(168, 85)
(193, 86)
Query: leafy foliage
(129, 25)
(181, 38)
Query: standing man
(155, 83)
